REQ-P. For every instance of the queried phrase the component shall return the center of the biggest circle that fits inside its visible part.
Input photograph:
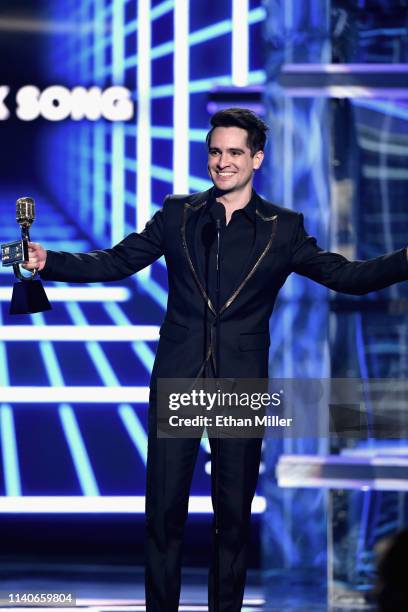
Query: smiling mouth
(225, 174)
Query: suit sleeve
(132, 254)
(338, 273)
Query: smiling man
(261, 245)
(233, 155)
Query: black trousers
(170, 465)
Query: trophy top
(25, 211)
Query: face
(230, 162)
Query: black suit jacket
(281, 246)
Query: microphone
(218, 213)
(25, 211)
(210, 229)
(25, 215)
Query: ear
(258, 159)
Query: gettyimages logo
(56, 103)
(337, 409)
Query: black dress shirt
(237, 239)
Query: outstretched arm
(338, 273)
(132, 254)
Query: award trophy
(28, 294)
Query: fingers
(34, 246)
(30, 265)
(35, 258)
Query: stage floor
(110, 588)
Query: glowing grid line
(97, 48)
(99, 209)
(4, 373)
(118, 138)
(78, 451)
(161, 9)
(140, 348)
(75, 333)
(77, 294)
(255, 77)
(144, 152)
(69, 423)
(109, 378)
(118, 184)
(162, 173)
(48, 354)
(75, 395)
(181, 101)
(155, 13)
(115, 504)
(135, 429)
(203, 35)
(118, 39)
(12, 481)
(240, 43)
(156, 291)
(94, 350)
(167, 133)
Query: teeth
(226, 173)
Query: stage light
(144, 152)
(79, 333)
(240, 43)
(181, 101)
(79, 294)
(118, 184)
(161, 9)
(115, 504)
(118, 139)
(155, 290)
(77, 448)
(74, 395)
(99, 208)
(11, 469)
(135, 429)
(140, 348)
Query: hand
(37, 257)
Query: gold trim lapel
(262, 232)
(194, 208)
(265, 233)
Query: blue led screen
(75, 380)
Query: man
(261, 245)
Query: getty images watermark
(237, 416)
(242, 408)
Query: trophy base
(28, 297)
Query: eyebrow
(230, 149)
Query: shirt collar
(249, 209)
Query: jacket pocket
(173, 331)
(254, 342)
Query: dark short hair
(242, 118)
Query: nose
(223, 160)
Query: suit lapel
(191, 215)
(265, 229)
